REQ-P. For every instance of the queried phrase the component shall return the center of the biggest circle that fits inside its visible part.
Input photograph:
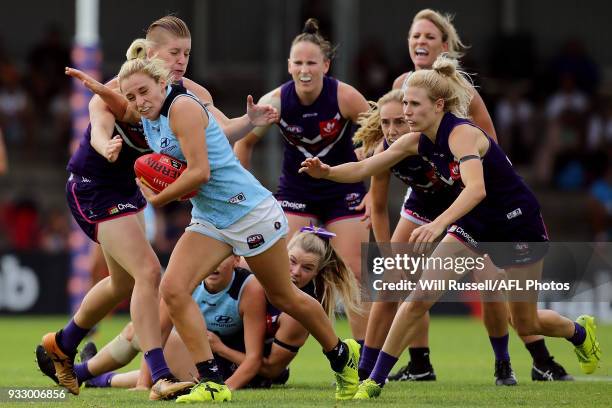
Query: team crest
(329, 128)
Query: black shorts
(92, 202)
(510, 243)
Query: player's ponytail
(310, 33)
(137, 50)
(445, 81)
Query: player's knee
(415, 308)
(128, 331)
(171, 291)
(150, 272)
(526, 327)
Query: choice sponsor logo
(457, 230)
(292, 205)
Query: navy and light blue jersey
(87, 162)
(221, 310)
(507, 196)
(316, 130)
(231, 192)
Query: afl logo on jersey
(295, 129)
(164, 142)
(329, 128)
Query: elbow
(480, 192)
(201, 175)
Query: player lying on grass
(229, 293)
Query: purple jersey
(422, 177)
(316, 130)
(87, 162)
(507, 195)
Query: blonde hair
(447, 82)
(168, 24)
(310, 33)
(154, 68)
(444, 23)
(334, 277)
(370, 130)
(137, 50)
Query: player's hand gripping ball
(157, 171)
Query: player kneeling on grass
(315, 268)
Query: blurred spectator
(171, 221)
(560, 158)
(568, 98)
(373, 70)
(15, 107)
(3, 155)
(55, 231)
(514, 123)
(600, 206)
(47, 61)
(574, 61)
(599, 132)
(21, 221)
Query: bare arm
(379, 192)
(290, 332)
(464, 141)
(253, 309)
(102, 128)
(116, 103)
(480, 115)
(351, 102)
(399, 81)
(353, 172)
(188, 121)
(244, 147)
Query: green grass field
(461, 355)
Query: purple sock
(82, 372)
(102, 381)
(157, 364)
(70, 336)
(500, 347)
(384, 364)
(369, 356)
(579, 335)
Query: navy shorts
(325, 210)
(510, 242)
(421, 209)
(92, 202)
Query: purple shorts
(92, 202)
(421, 208)
(327, 210)
(510, 242)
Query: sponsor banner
(34, 282)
